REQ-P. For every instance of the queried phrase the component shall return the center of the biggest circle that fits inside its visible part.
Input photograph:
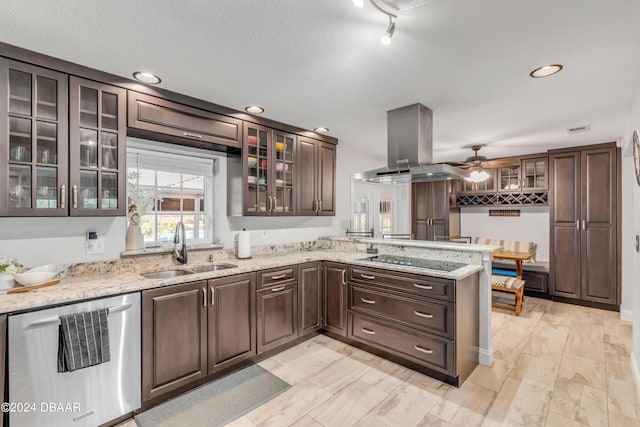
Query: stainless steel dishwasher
(40, 396)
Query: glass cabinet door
(257, 140)
(35, 116)
(284, 172)
(534, 175)
(97, 147)
(509, 179)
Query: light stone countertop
(73, 289)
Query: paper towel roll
(244, 244)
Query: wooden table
(518, 257)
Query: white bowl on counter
(37, 275)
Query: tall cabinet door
(309, 297)
(284, 167)
(231, 320)
(326, 178)
(598, 223)
(97, 148)
(34, 146)
(307, 177)
(565, 224)
(174, 337)
(440, 208)
(335, 297)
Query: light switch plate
(95, 246)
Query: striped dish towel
(83, 340)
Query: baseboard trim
(626, 314)
(485, 357)
(635, 373)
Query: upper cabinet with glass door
(269, 171)
(33, 149)
(534, 174)
(97, 149)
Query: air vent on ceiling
(578, 129)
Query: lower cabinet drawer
(535, 281)
(433, 352)
(436, 317)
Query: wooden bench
(509, 284)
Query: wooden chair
(508, 284)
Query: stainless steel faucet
(180, 237)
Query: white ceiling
(320, 63)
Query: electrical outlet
(95, 246)
(264, 234)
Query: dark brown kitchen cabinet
(335, 298)
(174, 337)
(431, 212)
(277, 315)
(316, 177)
(149, 115)
(231, 320)
(309, 297)
(269, 168)
(584, 208)
(97, 149)
(34, 149)
(486, 186)
(426, 320)
(534, 172)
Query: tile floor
(556, 365)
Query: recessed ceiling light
(545, 71)
(146, 77)
(254, 109)
(321, 130)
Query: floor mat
(217, 403)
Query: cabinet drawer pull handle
(213, 295)
(275, 204)
(366, 276)
(584, 227)
(75, 197)
(426, 315)
(279, 276)
(204, 297)
(368, 331)
(423, 286)
(577, 224)
(278, 289)
(367, 301)
(344, 277)
(192, 135)
(63, 195)
(314, 205)
(320, 206)
(424, 350)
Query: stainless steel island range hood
(410, 150)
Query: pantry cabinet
(584, 209)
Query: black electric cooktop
(430, 264)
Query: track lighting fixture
(386, 38)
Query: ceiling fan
(481, 162)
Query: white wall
(630, 307)
(531, 226)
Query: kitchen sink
(166, 274)
(212, 267)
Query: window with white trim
(169, 184)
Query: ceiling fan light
(477, 176)
(386, 38)
(358, 3)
